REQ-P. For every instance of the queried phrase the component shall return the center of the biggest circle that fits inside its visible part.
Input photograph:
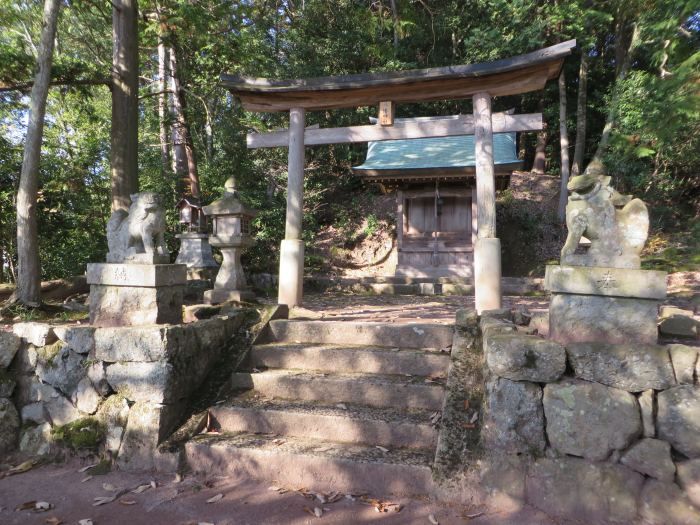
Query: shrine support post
(487, 249)
(291, 274)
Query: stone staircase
(335, 406)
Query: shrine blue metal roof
(435, 153)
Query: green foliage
(372, 225)
(83, 434)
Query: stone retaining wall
(603, 433)
(130, 386)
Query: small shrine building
(434, 180)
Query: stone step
(455, 271)
(349, 358)
(343, 424)
(409, 335)
(314, 464)
(389, 391)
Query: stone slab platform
(609, 282)
(315, 464)
(222, 296)
(136, 274)
(353, 424)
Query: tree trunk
(163, 107)
(580, 148)
(625, 39)
(564, 144)
(395, 21)
(179, 154)
(29, 275)
(125, 116)
(538, 164)
(184, 150)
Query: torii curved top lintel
(508, 76)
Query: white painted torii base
(291, 276)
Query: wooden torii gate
(481, 82)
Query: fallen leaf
(141, 488)
(216, 498)
(26, 505)
(342, 405)
(474, 417)
(153, 484)
(53, 520)
(103, 500)
(433, 520)
(109, 487)
(178, 478)
(85, 522)
(383, 449)
(204, 523)
(318, 512)
(333, 497)
(86, 478)
(472, 516)
(88, 467)
(127, 501)
(22, 467)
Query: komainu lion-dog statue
(616, 225)
(138, 236)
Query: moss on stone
(102, 468)
(47, 354)
(110, 410)
(530, 359)
(86, 433)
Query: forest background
(637, 68)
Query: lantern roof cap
(230, 203)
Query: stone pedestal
(230, 284)
(608, 305)
(136, 294)
(195, 253)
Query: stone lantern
(195, 251)
(231, 234)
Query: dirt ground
(185, 502)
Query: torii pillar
(487, 249)
(291, 275)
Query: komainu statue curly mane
(616, 225)
(138, 236)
